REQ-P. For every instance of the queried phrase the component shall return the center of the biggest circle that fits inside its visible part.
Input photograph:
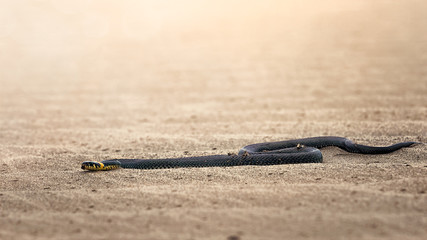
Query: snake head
(92, 165)
(99, 166)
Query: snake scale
(305, 150)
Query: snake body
(305, 150)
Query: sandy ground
(104, 79)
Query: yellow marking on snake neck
(111, 167)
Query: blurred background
(99, 79)
(128, 64)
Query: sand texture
(93, 80)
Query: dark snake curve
(304, 150)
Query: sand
(78, 83)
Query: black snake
(304, 150)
